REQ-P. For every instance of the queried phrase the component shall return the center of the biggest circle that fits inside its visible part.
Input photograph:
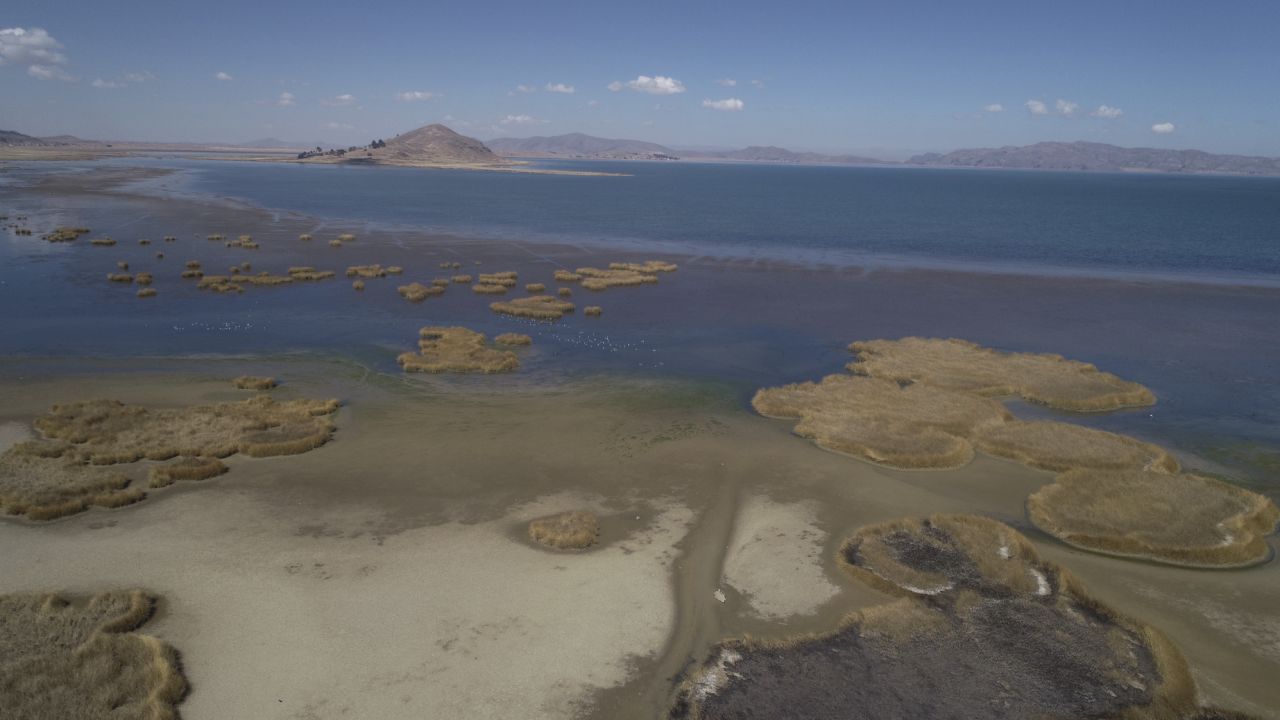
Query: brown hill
(437, 145)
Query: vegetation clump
(461, 279)
(446, 265)
(86, 448)
(505, 279)
(146, 292)
(216, 238)
(80, 657)
(185, 468)
(66, 234)
(961, 365)
(254, 382)
(535, 287)
(566, 276)
(305, 237)
(357, 285)
(593, 311)
(104, 242)
(564, 292)
(144, 242)
(597, 279)
(573, 530)
(537, 307)
(649, 267)
(244, 241)
(456, 349)
(1180, 519)
(484, 289)
(143, 278)
(120, 277)
(417, 292)
(366, 271)
(984, 627)
(1059, 446)
(512, 339)
(170, 238)
(308, 273)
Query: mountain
(17, 139)
(1100, 156)
(774, 154)
(578, 145)
(428, 146)
(273, 143)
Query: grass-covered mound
(912, 426)
(536, 307)
(1059, 446)
(1182, 519)
(88, 450)
(80, 658)
(254, 382)
(985, 629)
(573, 530)
(961, 365)
(513, 339)
(456, 349)
(417, 292)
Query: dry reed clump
(215, 238)
(66, 234)
(597, 279)
(366, 271)
(122, 265)
(916, 426)
(593, 311)
(648, 267)
(489, 289)
(417, 292)
(535, 287)
(77, 463)
(144, 242)
(564, 292)
(566, 276)
(186, 468)
(335, 243)
(193, 265)
(441, 282)
(147, 292)
(984, 628)
(254, 382)
(244, 241)
(220, 283)
(104, 242)
(346, 238)
(192, 274)
(461, 279)
(120, 277)
(537, 307)
(159, 256)
(573, 530)
(357, 285)
(144, 278)
(170, 238)
(512, 339)
(308, 273)
(961, 365)
(505, 279)
(446, 265)
(1059, 446)
(1180, 519)
(456, 349)
(305, 237)
(79, 657)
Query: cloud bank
(35, 48)
(1163, 128)
(414, 96)
(656, 85)
(731, 104)
(560, 88)
(1108, 112)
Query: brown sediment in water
(417, 292)
(916, 426)
(254, 382)
(456, 349)
(961, 365)
(537, 307)
(535, 287)
(1180, 519)
(186, 468)
(984, 626)
(79, 657)
(1059, 446)
(512, 339)
(573, 530)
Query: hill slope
(1100, 156)
(428, 146)
(774, 154)
(578, 145)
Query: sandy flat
(775, 558)
(12, 433)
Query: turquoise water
(1199, 226)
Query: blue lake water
(1205, 226)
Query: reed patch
(458, 350)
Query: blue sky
(882, 78)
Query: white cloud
(994, 108)
(726, 104)
(520, 120)
(100, 83)
(560, 88)
(30, 47)
(124, 80)
(338, 126)
(758, 83)
(526, 89)
(49, 72)
(656, 85)
(1163, 128)
(414, 96)
(339, 100)
(286, 99)
(135, 77)
(727, 82)
(1035, 107)
(1065, 107)
(1106, 111)
(222, 76)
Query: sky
(881, 78)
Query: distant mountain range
(17, 139)
(578, 145)
(774, 154)
(1101, 157)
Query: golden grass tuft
(346, 238)
(103, 242)
(417, 292)
(310, 274)
(190, 274)
(366, 271)
(961, 365)
(215, 237)
(159, 256)
(122, 265)
(535, 287)
(395, 270)
(1059, 446)
(144, 242)
(505, 279)
(144, 278)
(1180, 519)
(916, 426)
(461, 279)
(120, 277)
(573, 530)
(441, 282)
(489, 289)
(335, 243)
(566, 276)
(597, 279)
(513, 339)
(244, 241)
(564, 292)
(193, 265)
(66, 234)
(254, 382)
(147, 292)
(79, 657)
(305, 237)
(536, 307)
(170, 238)
(357, 285)
(593, 311)
(456, 349)
(186, 468)
(649, 267)
(220, 283)
(446, 265)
